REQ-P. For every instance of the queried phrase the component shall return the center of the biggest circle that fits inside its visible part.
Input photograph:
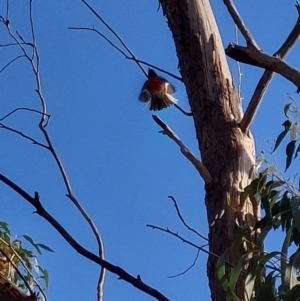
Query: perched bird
(157, 91)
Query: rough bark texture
(226, 152)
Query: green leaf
(284, 268)
(267, 291)
(286, 109)
(220, 267)
(29, 239)
(297, 151)
(46, 277)
(290, 149)
(291, 271)
(279, 139)
(4, 226)
(293, 294)
(250, 278)
(295, 202)
(44, 247)
(234, 275)
(287, 124)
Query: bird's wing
(170, 88)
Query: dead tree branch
(267, 76)
(34, 62)
(21, 109)
(40, 210)
(204, 173)
(190, 267)
(253, 57)
(239, 23)
(3, 126)
(176, 234)
(183, 221)
(131, 57)
(114, 33)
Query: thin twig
(132, 56)
(15, 44)
(183, 221)
(93, 29)
(266, 78)
(182, 110)
(3, 126)
(204, 173)
(124, 53)
(114, 33)
(190, 267)
(40, 210)
(161, 70)
(34, 61)
(201, 248)
(21, 109)
(240, 23)
(176, 234)
(25, 267)
(10, 62)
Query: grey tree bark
(227, 152)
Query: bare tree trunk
(227, 153)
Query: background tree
(216, 111)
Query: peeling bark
(226, 152)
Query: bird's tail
(159, 103)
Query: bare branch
(40, 210)
(253, 57)
(34, 62)
(3, 126)
(15, 44)
(158, 68)
(21, 109)
(114, 33)
(182, 110)
(93, 29)
(267, 77)
(239, 23)
(190, 267)
(204, 173)
(10, 62)
(183, 221)
(176, 234)
(133, 58)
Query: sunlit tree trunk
(227, 153)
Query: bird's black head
(151, 73)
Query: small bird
(157, 91)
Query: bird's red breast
(155, 84)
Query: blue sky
(120, 168)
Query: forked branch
(267, 76)
(240, 23)
(40, 210)
(253, 57)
